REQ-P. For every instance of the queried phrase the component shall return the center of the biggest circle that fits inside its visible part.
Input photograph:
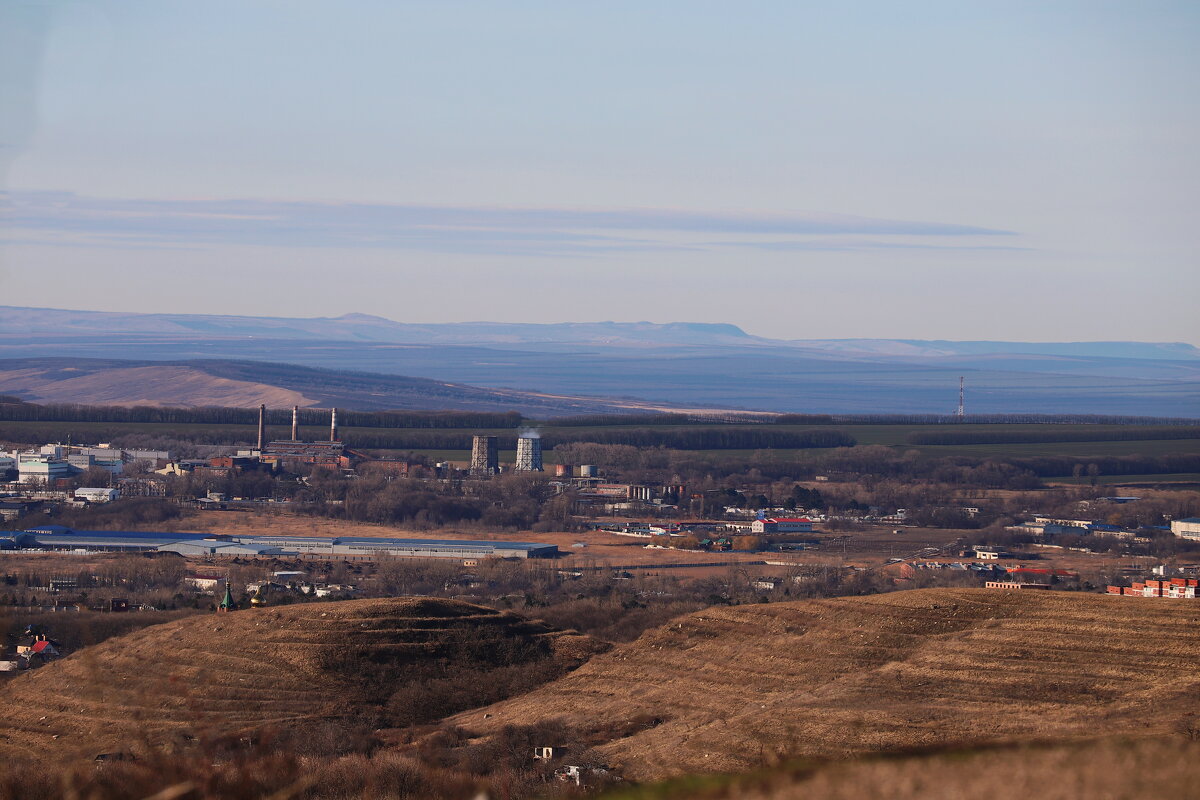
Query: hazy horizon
(351, 315)
(992, 172)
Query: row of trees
(412, 438)
(953, 437)
(12, 409)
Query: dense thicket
(1051, 466)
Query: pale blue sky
(953, 170)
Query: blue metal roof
(52, 536)
(59, 531)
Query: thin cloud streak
(28, 216)
(846, 245)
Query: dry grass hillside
(726, 689)
(147, 386)
(280, 669)
(1113, 769)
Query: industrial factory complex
(56, 538)
(53, 465)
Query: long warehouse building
(199, 544)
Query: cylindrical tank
(588, 471)
(562, 470)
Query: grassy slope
(1115, 769)
(229, 672)
(831, 678)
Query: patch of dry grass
(278, 669)
(832, 678)
(1112, 769)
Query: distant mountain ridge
(681, 364)
(365, 327)
(939, 348)
(370, 328)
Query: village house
(1177, 588)
(782, 525)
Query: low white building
(96, 495)
(782, 525)
(42, 469)
(1186, 528)
(205, 583)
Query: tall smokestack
(262, 426)
(333, 426)
(295, 423)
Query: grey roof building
(199, 544)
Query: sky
(941, 170)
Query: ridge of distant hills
(246, 384)
(681, 364)
(364, 328)
(367, 327)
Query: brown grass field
(938, 693)
(219, 674)
(1113, 769)
(726, 689)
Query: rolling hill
(252, 670)
(1116, 768)
(245, 384)
(683, 364)
(15, 320)
(726, 688)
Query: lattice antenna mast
(962, 411)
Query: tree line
(13, 410)
(714, 438)
(703, 438)
(1006, 419)
(952, 437)
(1054, 466)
